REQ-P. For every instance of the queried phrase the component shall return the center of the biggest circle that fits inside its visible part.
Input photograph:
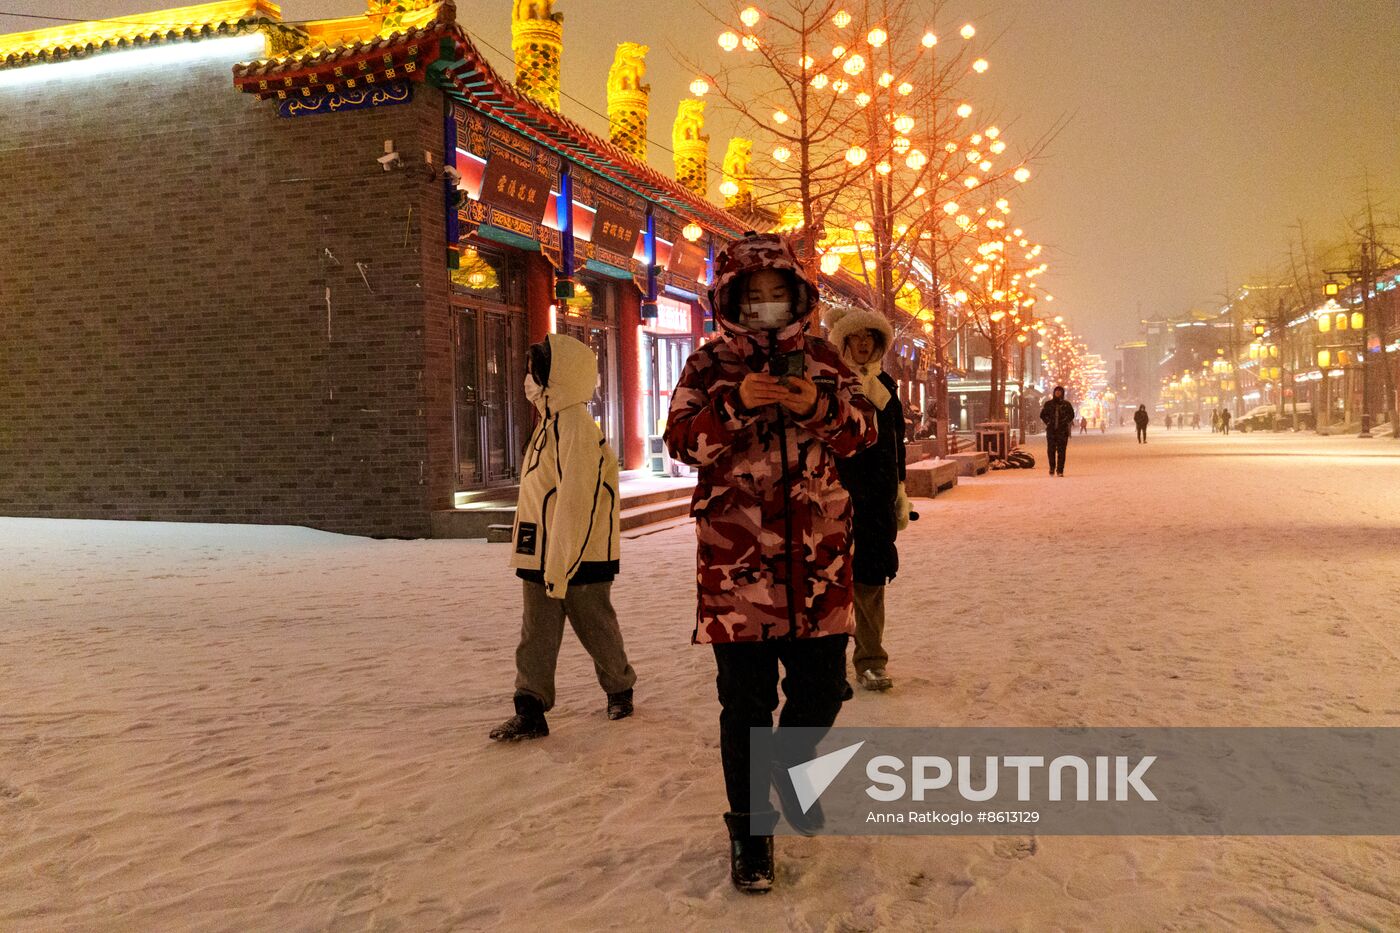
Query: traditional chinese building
(260, 271)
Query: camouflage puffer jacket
(772, 520)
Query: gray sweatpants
(589, 609)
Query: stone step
(641, 515)
(972, 463)
(927, 478)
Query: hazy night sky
(1201, 132)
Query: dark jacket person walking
(764, 411)
(1140, 418)
(1058, 415)
(875, 479)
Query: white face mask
(766, 315)
(533, 390)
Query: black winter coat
(872, 477)
(1140, 419)
(1058, 415)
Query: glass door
(468, 400)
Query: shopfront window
(591, 318)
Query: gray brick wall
(166, 247)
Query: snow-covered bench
(927, 478)
(972, 463)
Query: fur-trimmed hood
(843, 322)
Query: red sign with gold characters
(614, 229)
(515, 184)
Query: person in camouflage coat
(764, 411)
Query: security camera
(453, 175)
(390, 158)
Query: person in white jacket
(566, 539)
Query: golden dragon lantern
(628, 99)
(537, 39)
(737, 186)
(691, 146)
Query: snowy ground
(247, 728)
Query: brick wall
(166, 352)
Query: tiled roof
(472, 78)
(184, 24)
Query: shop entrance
(663, 358)
(490, 338)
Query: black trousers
(813, 680)
(1055, 445)
(1142, 435)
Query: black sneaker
(620, 704)
(527, 723)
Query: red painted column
(629, 370)
(539, 294)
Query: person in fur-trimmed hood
(566, 539)
(764, 411)
(875, 479)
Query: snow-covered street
(245, 728)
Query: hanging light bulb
(699, 87)
(916, 160)
(854, 65)
(974, 156)
(971, 182)
(984, 165)
(1022, 174)
(906, 88)
(998, 147)
(729, 41)
(750, 43)
(980, 66)
(877, 37)
(951, 147)
(964, 110)
(962, 220)
(930, 40)
(950, 208)
(831, 262)
(1003, 205)
(967, 32)
(862, 98)
(920, 191)
(728, 188)
(856, 155)
(692, 231)
(900, 145)
(861, 226)
(806, 62)
(779, 117)
(838, 51)
(886, 79)
(782, 153)
(842, 19)
(904, 123)
(883, 168)
(993, 132)
(750, 16)
(819, 81)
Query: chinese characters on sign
(615, 230)
(513, 184)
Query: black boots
(527, 723)
(620, 704)
(750, 855)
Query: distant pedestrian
(875, 479)
(566, 539)
(1224, 421)
(1168, 421)
(764, 411)
(1196, 421)
(1058, 415)
(1141, 418)
(1214, 420)
(1084, 425)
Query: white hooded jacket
(567, 517)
